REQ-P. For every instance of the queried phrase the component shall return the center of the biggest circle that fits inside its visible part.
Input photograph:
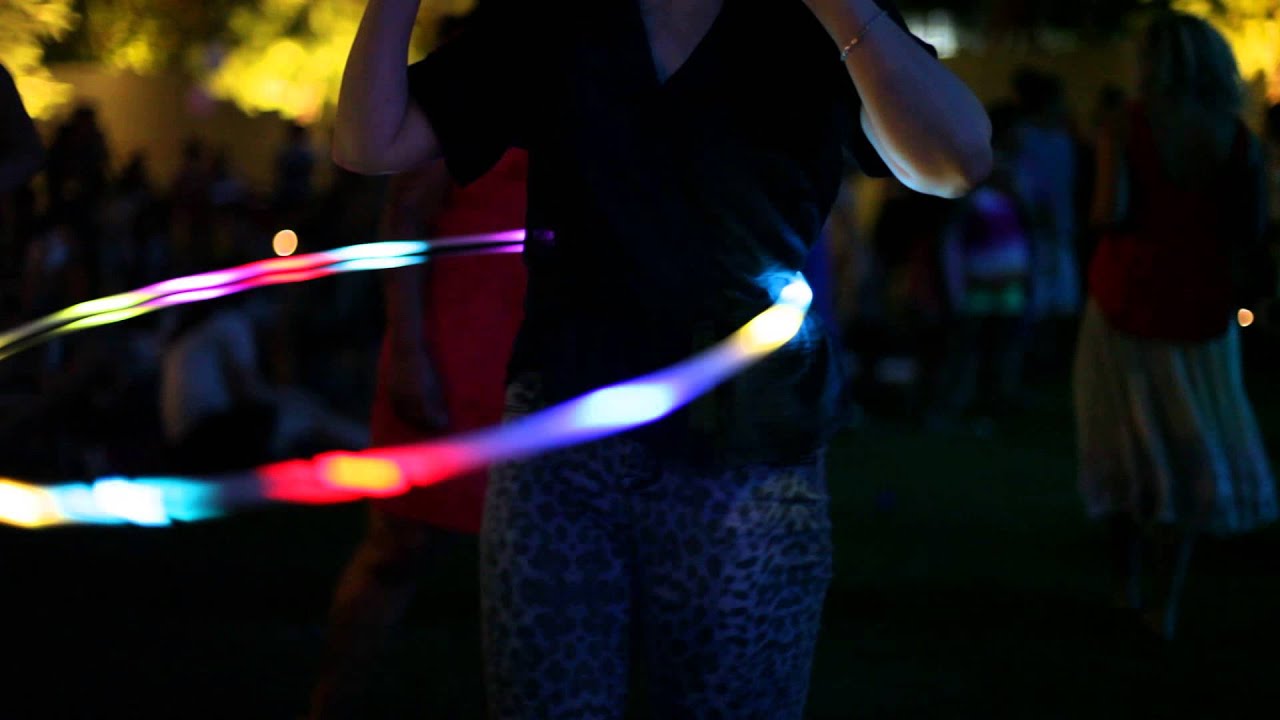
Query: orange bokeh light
(285, 243)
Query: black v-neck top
(662, 216)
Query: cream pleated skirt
(1165, 432)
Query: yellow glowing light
(27, 506)
(106, 318)
(1245, 317)
(102, 305)
(285, 243)
(771, 329)
(364, 475)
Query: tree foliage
(287, 56)
(1253, 29)
(25, 27)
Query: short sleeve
(470, 89)
(860, 151)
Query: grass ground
(968, 586)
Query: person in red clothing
(1168, 442)
(450, 327)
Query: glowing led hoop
(272, 271)
(381, 472)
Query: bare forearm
(927, 125)
(377, 129)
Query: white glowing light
(383, 263)
(938, 28)
(625, 405)
(137, 504)
(381, 249)
(797, 293)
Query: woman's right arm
(378, 130)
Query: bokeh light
(285, 243)
(1245, 317)
(26, 27)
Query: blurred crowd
(954, 302)
(956, 311)
(951, 311)
(123, 398)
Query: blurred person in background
(77, 178)
(1168, 444)
(191, 209)
(124, 250)
(450, 325)
(1047, 164)
(77, 170)
(986, 258)
(898, 333)
(220, 410)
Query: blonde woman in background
(1168, 444)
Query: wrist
(844, 19)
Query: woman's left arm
(925, 123)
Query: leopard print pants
(723, 573)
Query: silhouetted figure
(190, 202)
(21, 155)
(442, 370)
(77, 169)
(128, 257)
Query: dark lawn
(968, 585)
